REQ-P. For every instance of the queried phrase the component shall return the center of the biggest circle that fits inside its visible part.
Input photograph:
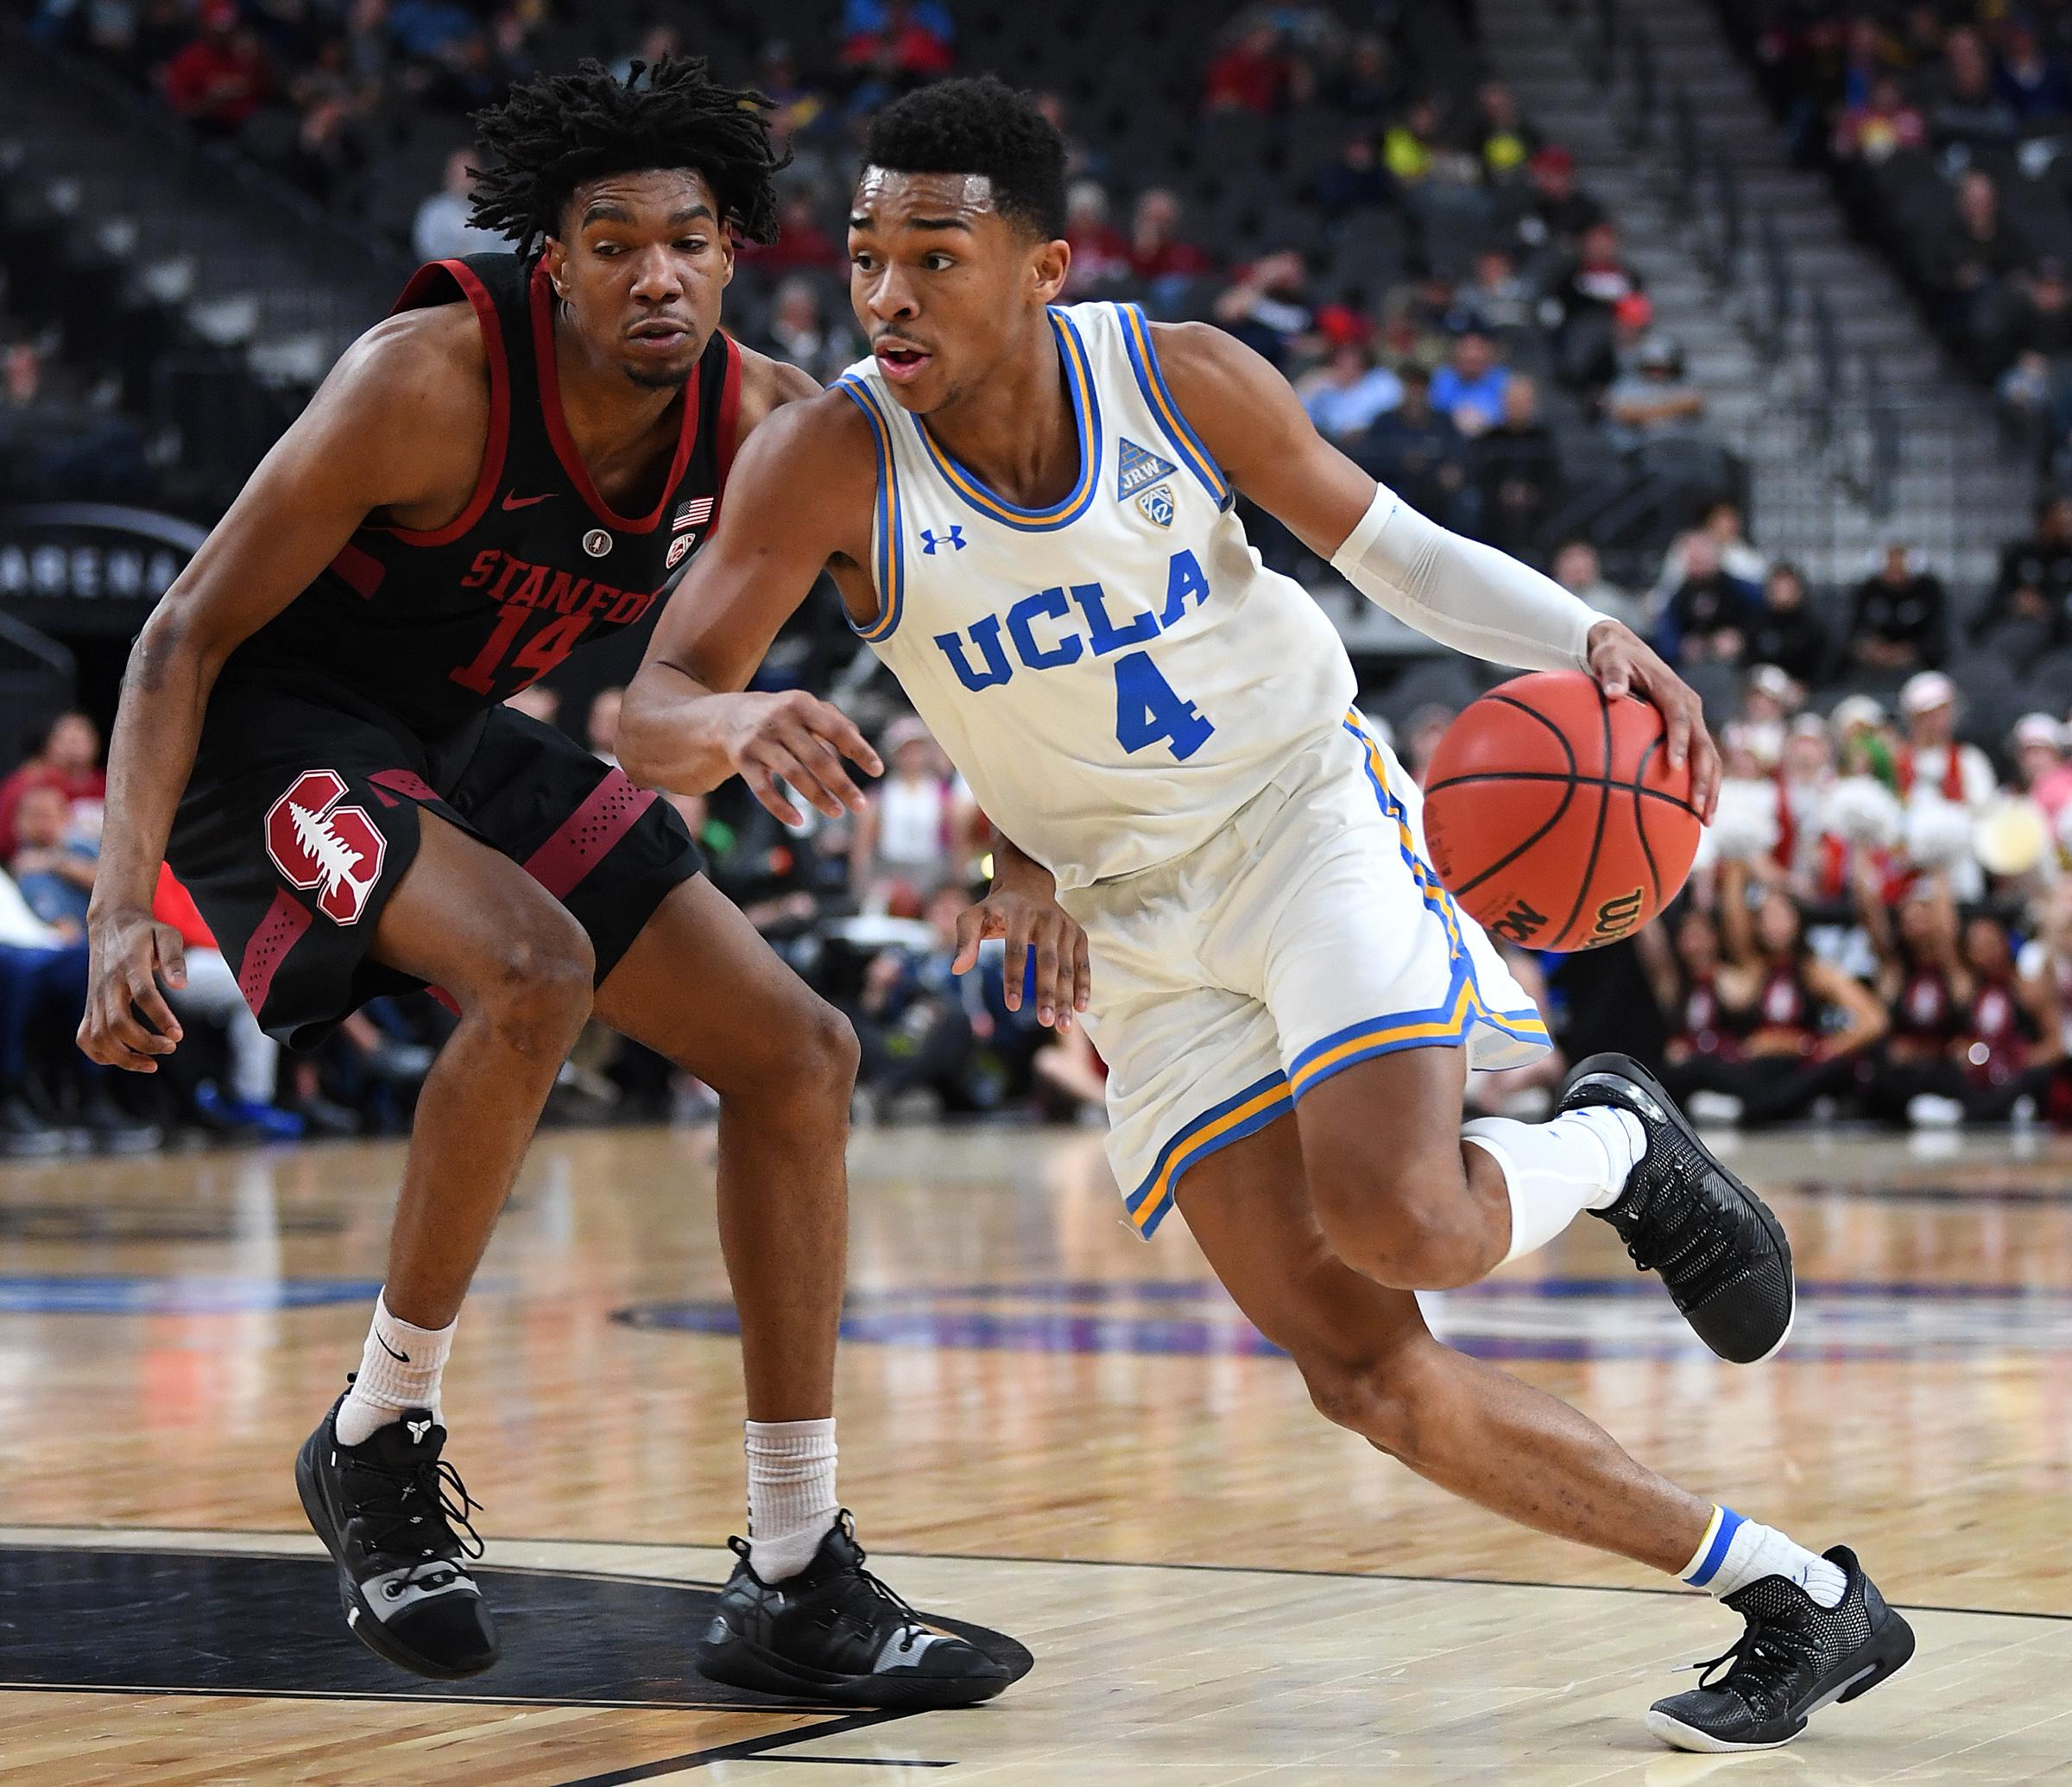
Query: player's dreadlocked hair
(554, 132)
(981, 126)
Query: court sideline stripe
(1235, 1569)
(742, 1751)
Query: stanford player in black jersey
(513, 464)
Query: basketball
(1553, 816)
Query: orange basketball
(1552, 814)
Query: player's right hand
(797, 738)
(127, 1023)
(1029, 917)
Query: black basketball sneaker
(1717, 1247)
(386, 1509)
(835, 1634)
(1795, 1657)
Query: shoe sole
(1885, 1652)
(740, 1664)
(361, 1620)
(1624, 1067)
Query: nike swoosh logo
(511, 501)
(400, 1358)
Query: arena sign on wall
(89, 567)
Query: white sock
(400, 1368)
(1735, 1552)
(1555, 1171)
(791, 1494)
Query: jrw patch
(1140, 471)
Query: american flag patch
(694, 513)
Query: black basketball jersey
(435, 625)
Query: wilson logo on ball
(1617, 917)
(315, 842)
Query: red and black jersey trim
(424, 290)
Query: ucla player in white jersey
(1029, 512)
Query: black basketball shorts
(300, 820)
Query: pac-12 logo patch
(315, 842)
(1139, 470)
(1156, 506)
(677, 547)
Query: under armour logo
(954, 540)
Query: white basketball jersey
(1115, 675)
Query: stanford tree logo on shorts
(315, 842)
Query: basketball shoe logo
(315, 842)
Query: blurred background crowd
(1473, 298)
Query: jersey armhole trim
(491, 324)
(726, 428)
(1151, 381)
(887, 548)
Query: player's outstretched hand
(797, 738)
(1625, 664)
(128, 953)
(1022, 908)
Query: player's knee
(829, 1051)
(810, 1053)
(538, 986)
(1400, 1216)
(1383, 1397)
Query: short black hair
(556, 131)
(978, 126)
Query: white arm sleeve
(1462, 593)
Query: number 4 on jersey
(1148, 709)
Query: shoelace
(1669, 1241)
(911, 1628)
(430, 1481)
(1759, 1663)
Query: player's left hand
(1625, 664)
(1028, 916)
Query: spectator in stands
(1897, 622)
(1963, 109)
(70, 760)
(1250, 75)
(601, 724)
(799, 332)
(1356, 181)
(912, 836)
(221, 77)
(1560, 214)
(1932, 764)
(2030, 601)
(210, 993)
(1972, 256)
(1584, 294)
(1416, 451)
(1366, 86)
(1469, 389)
(1503, 141)
(1655, 398)
(1499, 300)
(1768, 700)
(1708, 617)
(1100, 254)
(1346, 394)
(1578, 570)
(1880, 125)
(441, 231)
(43, 993)
(1516, 472)
(2039, 742)
(1267, 307)
(1158, 254)
(897, 43)
(2032, 83)
(1723, 521)
(1785, 631)
(1411, 146)
(2040, 314)
(802, 245)
(53, 866)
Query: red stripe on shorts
(278, 932)
(586, 835)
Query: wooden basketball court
(1049, 1430)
